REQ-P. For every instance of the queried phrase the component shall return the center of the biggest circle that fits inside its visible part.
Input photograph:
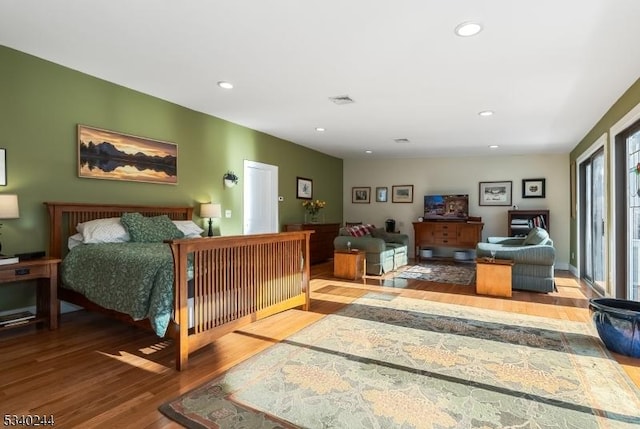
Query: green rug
(441, 272)
(393, 362)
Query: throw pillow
(360, 230)
(536, 236)
(150, 229)
(108, 230)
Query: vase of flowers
(312, 209)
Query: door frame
(619, 127)
(601, 142)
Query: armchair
(533, 257)
(384, 251)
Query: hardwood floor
(96, 372)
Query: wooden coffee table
(493, 277)
(349, 264)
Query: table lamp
(8, 208)
(211, 211)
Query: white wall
(462, 176)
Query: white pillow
(74, 240)
(108, 230)
(189, 228)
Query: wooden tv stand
(462, 235)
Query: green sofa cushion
(536, 236)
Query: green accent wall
(628, 100)
(41, 104)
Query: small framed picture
(361, 195)
(381, 194)
(402, 193)
(495, 193)
(3, 167)
(304, 188)
(533, 188)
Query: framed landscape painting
(111, 155)
(495, 193)
(402, 194)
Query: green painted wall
(42, 103)
(628, 100)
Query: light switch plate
(227, 213)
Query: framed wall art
(3, 167)
(111, 155)
(381, 194)
(361, 194)
(304, 188)
(495, 193)
(533, 188)
(402, 194)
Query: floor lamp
(211, 211)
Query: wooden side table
(45, 271)
(349, 264)
(493, 277)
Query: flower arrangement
(313, 207)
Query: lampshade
(9, 206)
(210, 210)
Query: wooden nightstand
(45, 271)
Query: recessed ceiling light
(320, 129)
(467, 29)
(493, 146)
(368, 151)
(486, 113)
(225, 85)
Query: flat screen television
(446, 207)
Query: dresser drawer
(8, 273)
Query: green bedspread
(132, 278)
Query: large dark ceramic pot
(618, 324)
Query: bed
(219, 283)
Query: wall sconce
(211, 211)
(8, 208)
(230, 179)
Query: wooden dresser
(463, 235)
(321, 241)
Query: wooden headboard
(63, 218)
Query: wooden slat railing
(237, 280)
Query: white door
(260, 198)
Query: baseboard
(574, 271)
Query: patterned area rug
(442, 272)
(387, 361)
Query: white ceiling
(548, 68)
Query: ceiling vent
(341, 99)
(401, 140)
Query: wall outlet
(227, 214)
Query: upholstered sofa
(384, 251)
(533, 257)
